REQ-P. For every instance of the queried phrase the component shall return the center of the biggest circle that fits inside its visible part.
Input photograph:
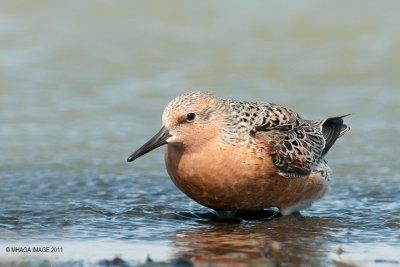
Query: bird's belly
(235, 179)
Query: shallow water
(83, 84)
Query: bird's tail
(332, 129)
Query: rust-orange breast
(233, 178)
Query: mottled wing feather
(295, 145)
(275, 117)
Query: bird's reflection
(293, 240)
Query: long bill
(156, 141)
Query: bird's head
(188, 121)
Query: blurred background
(84, 83)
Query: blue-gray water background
(84, 83)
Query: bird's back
(296, 146)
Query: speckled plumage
(297, 145)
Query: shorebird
(235, 156)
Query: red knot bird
(235, 156)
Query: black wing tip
(337, 119)
(332, 129)
(347, 115)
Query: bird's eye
(190, 116)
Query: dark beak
(156, 141)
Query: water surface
(83, 84)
